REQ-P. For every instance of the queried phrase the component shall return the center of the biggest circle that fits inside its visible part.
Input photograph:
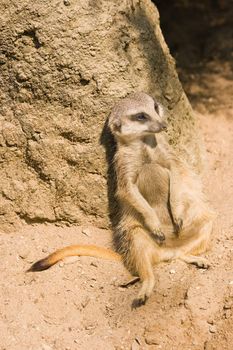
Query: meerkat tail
(74, 250)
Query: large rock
(63, 64)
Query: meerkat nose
(163, 126)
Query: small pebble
(151, 338)
(212, 329)
(227, 306)
(210, 321)
(86, 232)
(85, 302)
(139, 340)
(46, 347)
(90, 326)
(135, 345)
(24, 255)
(227, 314)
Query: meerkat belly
(153, 183)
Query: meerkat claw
(139, 302)
(158, 236)
(178, 223)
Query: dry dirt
(81, 306)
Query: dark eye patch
(140, 117)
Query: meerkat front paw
(153, 226)
(158, 235)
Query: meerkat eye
(141, 117)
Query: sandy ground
(81, 306)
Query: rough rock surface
(63, 64)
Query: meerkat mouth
(154, 131)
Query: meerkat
(163, 214)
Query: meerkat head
(136, 116)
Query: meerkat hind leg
(148, 281)
(198, 261)
(199, 246)
(143, 260)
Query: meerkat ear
(114, 122)
(116, 125)
(158, 108)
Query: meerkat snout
(156, 127)
(160, 111)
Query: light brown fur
(74, 250)
(163, 213)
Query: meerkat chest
(153, 176)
